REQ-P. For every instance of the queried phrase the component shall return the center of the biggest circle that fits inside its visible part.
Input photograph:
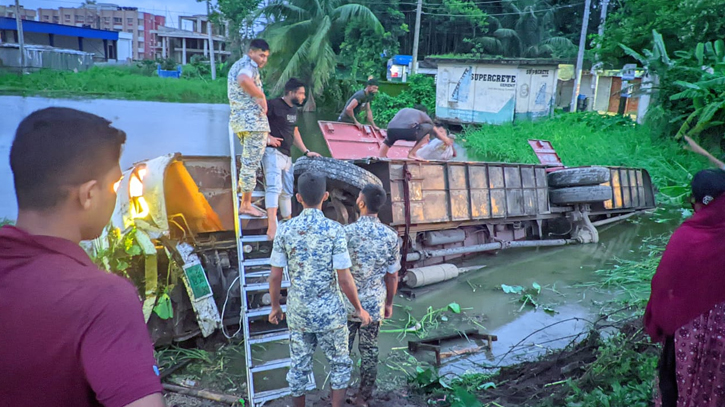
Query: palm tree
(303, 36)
(524, 30)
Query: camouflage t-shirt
(374, 251)
(312, 248)
(245, 113)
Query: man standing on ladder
(248, 118)
(277, 163)
(314, 250)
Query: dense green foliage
(682, 23)
(237, 14)
(420, 90)
(513, 27)
(116, 83)
(688, 89)
(304, 38)
(589, 139)
(526, 30)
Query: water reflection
(153, 129)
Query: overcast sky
(171, 9)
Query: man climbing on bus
(359, 101)
(314, 250)
(375, 254)
(413, 124)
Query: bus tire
(580, 195)
(578, 177)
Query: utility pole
(21, 36)
(416, 38)
(211, 40)
(580, 57)
(602, 18)
(597, 66)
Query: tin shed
(494, 91)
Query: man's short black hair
(374, 197)
(258, 44)
(292, 85)
(57, 148)
(421, 108)
(373, 82)
(707, 185)
(312, 186)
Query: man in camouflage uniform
(248, 118)
(375, 254)
(314, 250)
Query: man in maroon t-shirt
(71, 335)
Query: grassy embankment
(115, 83)
(592, 139)
(618, 370)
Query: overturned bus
(180, 210)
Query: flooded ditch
(565, 306)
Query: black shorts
(412, 134)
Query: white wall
(125, 46)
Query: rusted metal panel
(477, 176)
(617, 189)
(466, 192)
(480, 204)
(435, 207)
(498, 203)
(433, 176)
(495, 177)
(459, 192)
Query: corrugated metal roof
(57, 29)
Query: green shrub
(590, 139)
(421, 90)
(115, 83)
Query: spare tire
(577, 195)
(578, 177)
(340, 174)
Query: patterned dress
(312, 248)
(700, 361)
(374, 252)
(247, 120)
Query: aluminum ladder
(262, 270)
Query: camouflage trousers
(253, 143)
(369, 352)
(302, 346)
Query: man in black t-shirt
(359, 101)
(277, 160)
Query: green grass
(114, 83)
(591, 139)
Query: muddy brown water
(155, 128)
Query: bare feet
(415, 158)
(250, 210)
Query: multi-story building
(193, 39)
(105, 16)
(25, 14)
